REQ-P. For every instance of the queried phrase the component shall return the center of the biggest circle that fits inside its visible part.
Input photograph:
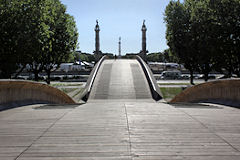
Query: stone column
(97, 52)
(119, 48)
(143, 52)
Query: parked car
(185, 76)
(210, 76)
(171, 75)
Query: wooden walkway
(117, 130)
(120, 79)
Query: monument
(143, 52)
(97, 52)
(119, 48)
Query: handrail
(156, 93)
(91, 79)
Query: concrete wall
(222, 91)
(13, 91)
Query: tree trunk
(36, 75)
(206, 70)
(191, 77)
(48, 76)
(229, 70)
(206, 76)
(36, 69)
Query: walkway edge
(91, 79)
(155, 91)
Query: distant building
(156, 66)
(78, 66)
(66, 67)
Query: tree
(208, 31)
(169, 57)
(179, 35)
(165, 56)
(63, 38)
(203, 31)
(155, 57)
(87, 57)
(35, 32)
(226, 14)
(14, 36)
(23, 34)
(216, 34)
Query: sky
(119, 18)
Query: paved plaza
(120, 130)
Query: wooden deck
(120, 130)
(120, 79)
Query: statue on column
(119, 48)
(144, 51)
(97, 52)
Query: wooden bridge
(120, 121)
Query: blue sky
(119, 18)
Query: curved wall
(220, 91)
(12, 91)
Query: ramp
(120, 79)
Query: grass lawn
(79, 92)
(67, 90)
(170, 93)
(65, 84)
(174, 84)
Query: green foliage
(204, 34)
(78, 55)
(155, 57)
(14, 35)
(63, 38)
(226, 16)
(129, 56)
(165, 56)
(168, 56)
(70, 59)
(35, 32)
(108, 55)
(179, 35)
(84, 57)
(87, 57)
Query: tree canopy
(35, 32)
(204, 34)
(165, 56)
